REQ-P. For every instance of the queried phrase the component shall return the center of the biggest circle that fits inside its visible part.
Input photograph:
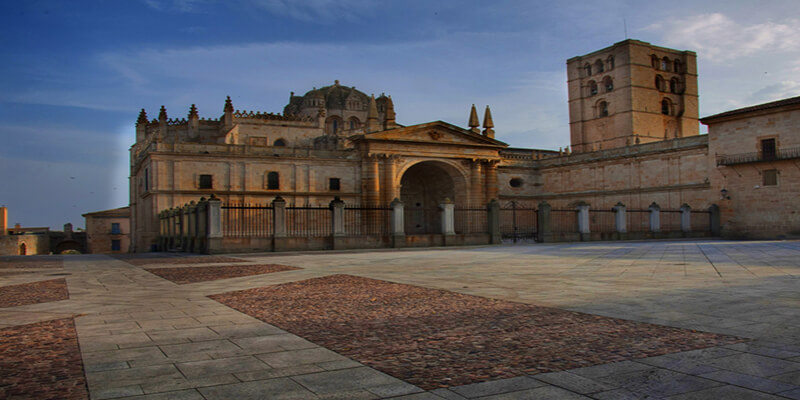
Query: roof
(760, 107)
(335, 97)
(115, 212)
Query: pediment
(434, 133)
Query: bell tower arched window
(592, 88)
(665, 107)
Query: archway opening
(23, 250)
(423, 188)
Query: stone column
(370, 182)
(448, 223)
(620, 222)
(337, 223)
(279, 240)
(494, 222)
(686, 218)
(583, 220)
(544, 229)
(214, 225)
(491, 180)
(389, 184)
(398, 224)
(476, 183)
(655, 217)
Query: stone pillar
(370, 181)
(389, 184)
(476, 183)
(279, 240)
(3, 221)
(337, 223)
(448, 221)
(185, 227)
(655, 217)
(192, 243)
(398, 224)
(620, 222)
(544, 229)
(715, 223)
(494, 222)
(214, 225)
(686, 218)
(491, 179)
(583, 221)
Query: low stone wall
(34, 244)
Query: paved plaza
(144, 336)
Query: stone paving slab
(186, 275)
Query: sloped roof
(760, 107)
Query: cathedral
(634, 132)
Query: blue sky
(76, 73)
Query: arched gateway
(423, 187)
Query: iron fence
(700, 221)
(308, 221)
(670, 220)
(246, 220)
(637, 220)
(471, 220)
(419, 220)
(518, 222)
(362, 221)
(743, 158)
(564, 221)
(603, 221)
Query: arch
(587, 69)
(665, 64)
(279, 142)
(677, 66)
(666, 106)
(610, 62)
(599, 67)
(608, 83)
(23, 249)
(601, 108)
(424, 185)
(354, 123)
(674, 85)
(333, 125)
(659, 82)
(68, 245)
(654, 61)
(592, 88)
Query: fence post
(171, 228)
(686, 218)
(185, 228)
(279, 240)
(202, 225)
(619, 218)
(583, 220)
(214, 224)
(544, 228)
(398, 224)
(337, 223)
(448, 223)
(715, 223)
(655, 217)
(494, 222)
(192, 227)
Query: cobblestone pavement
(142, 336)
(212, 273)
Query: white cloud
(722, 39)
(776, 91)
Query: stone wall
(34, 244)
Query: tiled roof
(766, 106)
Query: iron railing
(471, 220)
(518, 222)
(362, 221)
(246, 220)
(308, 221)
(637, 220)
(670, 220)
(700, 221)
(603, 221)
(564, 221)
(759, 156)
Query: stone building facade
(108, 231)
(634, 141)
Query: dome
(335, 97)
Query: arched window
(333, 125)
(588, 69)
(602, 109)
(654, 61)
(608, 83)
(598, 65)
(665, 107)
(592, 88)
(354, 123)
(610, 62)
(273, 181)
(659, 82)
(677, 66)
(665, 64)
(23, 250)
(279, 143)
(674, 86)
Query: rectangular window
(334, 184)
(273, 181)
(115, 228)
(205, 182)
(768, 149)
(770, 177)
(116, 245)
